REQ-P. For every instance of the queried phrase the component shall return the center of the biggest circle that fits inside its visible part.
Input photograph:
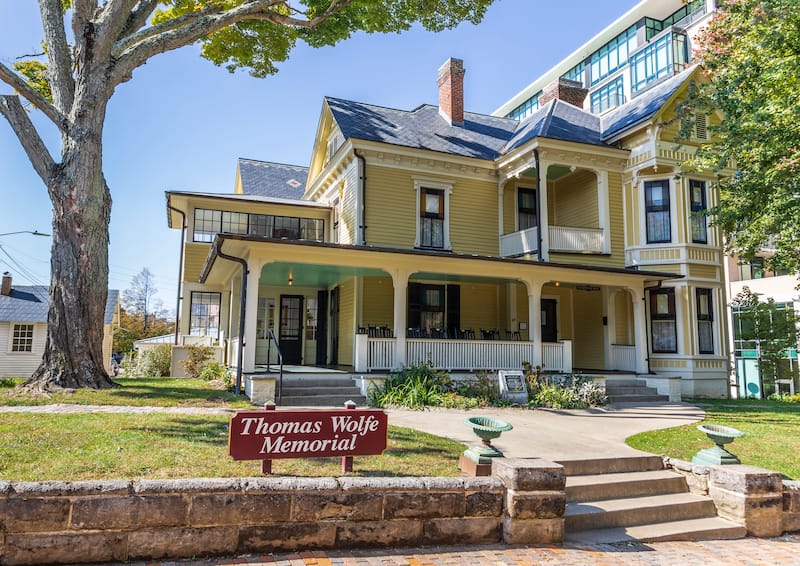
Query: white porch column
(535, 319)
(609, 328)
(543, 219)
(250, 313)
(400, 283)
(603, 214)
(640, 329)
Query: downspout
(242, 306)
(540, 252)
(180, 272)
(362, 177)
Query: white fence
(623, 357)
(468, 355)
(576, 239)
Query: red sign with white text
(307, 433)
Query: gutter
(180, 270)
(242, 306)
(362, 177)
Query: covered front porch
(328, 304)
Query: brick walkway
(783, 550)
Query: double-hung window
(663, 321)
(697, 196)
(431, 222)
(656, 208)
(705, 321)
(205, 311)
(526, 208)
(22, 338)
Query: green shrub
(571, 391)
(214, 370)
(793, 398)
(483, 388)
(197, 360)
(10, 381)
(156, 362)
(414, 387)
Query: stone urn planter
(477, 460)
(718, 455)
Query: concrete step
(616, 399)
(596, 487)
(630, 390)
(708, 528)
(631, 511)
(321, 400)
(319, 390)
(337, 381)
(611, 465)
(625, 382)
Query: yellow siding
(588, 349)
(479, 307)
(193, 260)
(523, 313)
(377, 302)
(510, 208)
(704, 271)
(392, 208)
(623, 317)
(575, 201)
(349, 214)
(347, 295)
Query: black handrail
(270, 339)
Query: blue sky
(181, 122)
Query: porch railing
(466, 355)
(566, 239)
(519, 243)
(623, 357)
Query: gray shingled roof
(558, 120)
(643, 106)
(481, 136)
(28, 303)
(267, 179)
(488, 137)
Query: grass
(139, 391)
(156, 446)
(771, 441)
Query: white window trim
(437, 184)
(332, 145)
(673, 216)
(11, 338)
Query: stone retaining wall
(71, 522)
(753, 497)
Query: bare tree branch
(18, 83)
(11, 108)
(59, 68)
(110, 22)
(138, 17)
(141, 48)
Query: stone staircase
(312, 390)
(636, 499)
(632, 390)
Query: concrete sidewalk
(556, 434)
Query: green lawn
(36, 447)
(139, 391)
(771, 441)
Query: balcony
(562, 239)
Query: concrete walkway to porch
(556, 434)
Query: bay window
(663, 321)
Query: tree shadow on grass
(204, 431)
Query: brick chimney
(566, 90)
(5, 289)
(451, 91)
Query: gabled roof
(29, 303)
(264, 178)
(558, 120)
(481, 136)
(644, 106)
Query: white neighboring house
(23, 327)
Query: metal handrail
(270, 339)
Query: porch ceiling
(312, 275)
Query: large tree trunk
(73, 355)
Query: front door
(322, 328)
(549, 326)
(291, 329)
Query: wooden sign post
(307, 433)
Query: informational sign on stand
(307, 433)
(513, 387)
